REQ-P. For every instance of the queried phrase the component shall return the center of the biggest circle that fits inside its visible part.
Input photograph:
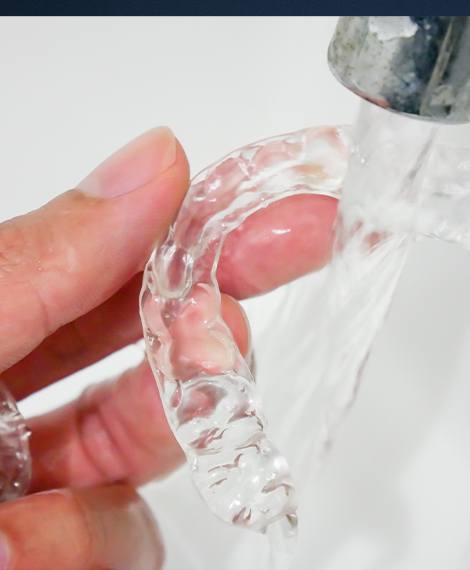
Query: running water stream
(381, 198)
(382, 187)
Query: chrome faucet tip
(413, 65)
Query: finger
(69, 256)
(97, 528)
(277, 244)
(235, 317)
(256, 257)
(111, 326)
(200, 344)
(117, 430)
(78, 344)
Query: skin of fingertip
(277, 244)
(237, 321)
(99, 527)
(72, 254)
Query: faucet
(412, 65)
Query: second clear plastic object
(15, 459)
(209, 394)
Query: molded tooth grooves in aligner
(207, 388)
(238, 471)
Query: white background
(395, 491)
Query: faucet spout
(413, 65)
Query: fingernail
(4, 553)
(132, 166)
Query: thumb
(66, 258)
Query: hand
(70, 276)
